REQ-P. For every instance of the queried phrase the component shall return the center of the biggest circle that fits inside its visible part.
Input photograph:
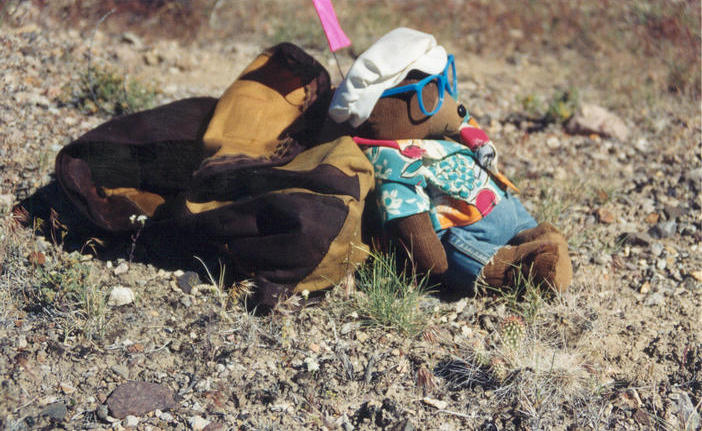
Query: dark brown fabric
(154, 150)
(216, 181)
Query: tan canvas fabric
(347, 250)
(255, 110)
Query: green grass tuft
(67, 292)
(390, 298)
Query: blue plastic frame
(443, 84)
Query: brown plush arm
(416, 233)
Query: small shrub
(562, 106)
(66, 292)
(390, 298)
(559, 108)
(60, 286)
(104, 90)
(532, 105)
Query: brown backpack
(242, 173)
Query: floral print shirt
(441, 177)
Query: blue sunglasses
(446, 81)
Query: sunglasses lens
(429, 97)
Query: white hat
(383, 66)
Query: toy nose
(462, 111)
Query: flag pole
(332, 30)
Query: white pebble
(122, 268)
(120, 296)
(131, 421)
(198, 423)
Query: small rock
(603, 259)
(121, 370)
(26, 98)
(21, 342)
(186, 301)
(139, 398)
(655, 300)
(697, 275)
(361, 336)
(312, 364)
(663, 230)
(187, 281)
(349, 327)
(198, 423)
(687, 413)
(407, 425)
(652, 218)
(122, 268)
(42, 245)
(102, 414)
(636, 238)
(151, 58)
(688, 229)
(131, 421)
(642, 145)
(656, 249)
(605, 216)
(67, 388)
(694, 177)
(673, 212)
(120, 296)
(595, 119)
(56, 411)
(553, 142)
(6, 202)
(437, 404)
(645, 287)
(133, 39)
(165, 416)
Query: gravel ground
(627, 337)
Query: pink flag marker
(330, 23)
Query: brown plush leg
(417, 235)
(533, 233)
(544, 261)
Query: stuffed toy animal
(438, 188)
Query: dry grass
(666, 33)
(545, 365)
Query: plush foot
(534, 233)
(551, 265)
(544, 261)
